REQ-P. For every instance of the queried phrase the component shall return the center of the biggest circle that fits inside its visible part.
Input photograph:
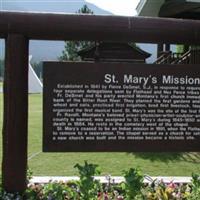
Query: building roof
(180, 9)
(168, 8)
(113, 51)
(149, 7)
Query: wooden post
(15, 122)
(167, 47)
(159, 49)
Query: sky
(118, 7)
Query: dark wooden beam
(105, 28)
(15, 114)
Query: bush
(133, 184)
(87, 188)
(195, 187)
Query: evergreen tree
(72, 47)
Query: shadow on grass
(192, 157)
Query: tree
(72, 47)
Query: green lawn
(162, 164)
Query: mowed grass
(62, 164)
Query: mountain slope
(67, 6)
(51, 50)
(48, 50)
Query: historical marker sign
(121, 107)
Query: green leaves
(195, 187)
(87, 170)
(133, 183)
(88, 187)
(58, 191)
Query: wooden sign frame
(19, 27)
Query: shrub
(88, 187)
(195, 187)
(133, 184)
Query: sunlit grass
(55, 164)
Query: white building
(34, 83)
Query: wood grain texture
(49, 26)
(15, 114)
